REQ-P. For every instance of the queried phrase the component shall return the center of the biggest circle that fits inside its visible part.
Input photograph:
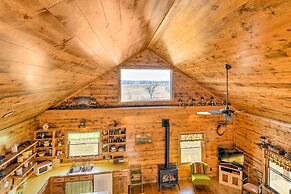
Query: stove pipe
(166, 124)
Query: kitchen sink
(80, 169)
(75, 169)
(86, 168)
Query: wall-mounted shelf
(114, 136)
(11, 156)
(11, 166)
(53, 135)
(25, 171)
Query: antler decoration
(219, 125)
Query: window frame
(269, 169)
(147, 101)
(203, 154)
(85, 157)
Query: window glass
(279, 179)
(84, 144)
(190, 147)
(145, 84)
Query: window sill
(185, 164)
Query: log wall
(140, 120)
(248, 129)
(106, 90)
(17, 134)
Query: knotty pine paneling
(199, 37)
(17, 134)
(148, 120)
(114, 30)
(106, 89)
(248, 129)
(35, 73)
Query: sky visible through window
(145, 74)
(145, 84)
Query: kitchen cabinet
(86, 177)
(120, 182)
(58, 188)
(57, 185)
(72, 178)
(45, 188)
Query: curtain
(191, 137)
(79, 187)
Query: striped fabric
(197, 168)
(79, 187)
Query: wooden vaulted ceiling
(50, 49)
(254, 36)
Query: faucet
(73, 164)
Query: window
(279, 178)
(84, 144)
(191, 147)
(145, 84)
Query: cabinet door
(45, 189)
(120, 185)
(58, 188)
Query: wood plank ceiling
(254, 36)
(50, 49)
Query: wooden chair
(249, 187)
(136, 178)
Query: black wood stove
(167, 173)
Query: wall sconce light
(82, 123)
(8, 114)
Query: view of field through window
(84, 144)
(145, 84)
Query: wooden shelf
(44, 147)
(45, 130)
(25, 171)
(110, 135)
(59, 137)
(117, 127)
(13, 167)
(12, 156)
(46, 138)
(117, 135)
(113, 153)
(116, 143)
(51, 137)
(44, 157)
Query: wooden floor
(187, 188)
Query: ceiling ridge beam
(147, 46)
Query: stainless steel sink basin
(86, 168)
(80, 169)
(75, 169)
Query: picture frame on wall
(143, 138)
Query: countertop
(35, 183)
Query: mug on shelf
(20, 158)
